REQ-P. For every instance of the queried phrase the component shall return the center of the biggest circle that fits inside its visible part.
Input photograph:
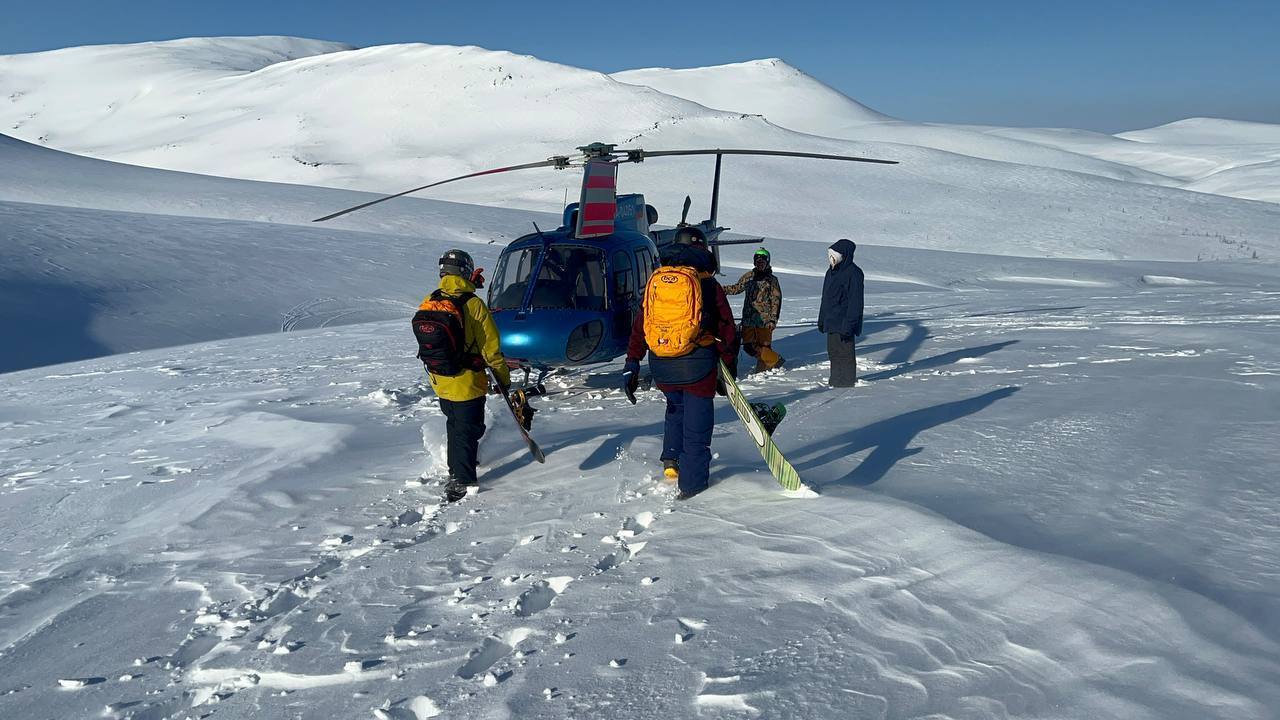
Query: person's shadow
(889, 438)
(937, 360)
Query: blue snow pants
(687, 438)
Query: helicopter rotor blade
(640, 155)
(558, 162)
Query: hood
(690, 256)
(845, 248)
(456, 285)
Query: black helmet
(457, 262)
(690, 235)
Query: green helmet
(761, 253)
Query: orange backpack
(673, 322)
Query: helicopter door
(645, 265)
(624, 294)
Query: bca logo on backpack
(440, 327)
(673, 312)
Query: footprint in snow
(539, 597)
(686, 628)
(493, 649)
(619, 556)
(639, 523)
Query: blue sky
(1106, 66)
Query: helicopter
(568, 296)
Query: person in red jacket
(690, 381)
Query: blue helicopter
(568, 296)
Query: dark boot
(455, 491)
(686, 494)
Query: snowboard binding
(519, 401)
(770, 415)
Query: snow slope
(771, 88)
(789, 98)
(1186, 154)
(1019, 517)
(386, 118)
(1201, 154)
(100, 257)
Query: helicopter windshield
(571, 277)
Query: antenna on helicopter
(715, 193)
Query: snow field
(303, 565)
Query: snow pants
(687, 438)
(758, 342)
(464, 424)
(844, 364)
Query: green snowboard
(786, 475)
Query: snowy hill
(771, 88)
(1208, 131)
(1223, 157)
(386, 118)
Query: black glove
(631, 379)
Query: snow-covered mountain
(771, 88)
(1052, 494)
(1225, 157)
(386, 118)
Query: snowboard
(782, 470)
(515, 415)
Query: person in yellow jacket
(462, 395)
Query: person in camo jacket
(760, 310)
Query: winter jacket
(667, 370)
(481, 339)
(842, 290)
(763, 303)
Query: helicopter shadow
(891, 438)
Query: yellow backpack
(673, 312)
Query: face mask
(834, 257)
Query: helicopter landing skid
(534, 387)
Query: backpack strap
(710, 309)
(476, 359)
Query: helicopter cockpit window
(571, 277)
(506, 291)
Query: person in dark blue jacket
(840, 315)
(691, 381)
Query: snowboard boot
(455, 491)
(686, 494)
(670, 470)
(761, 367)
